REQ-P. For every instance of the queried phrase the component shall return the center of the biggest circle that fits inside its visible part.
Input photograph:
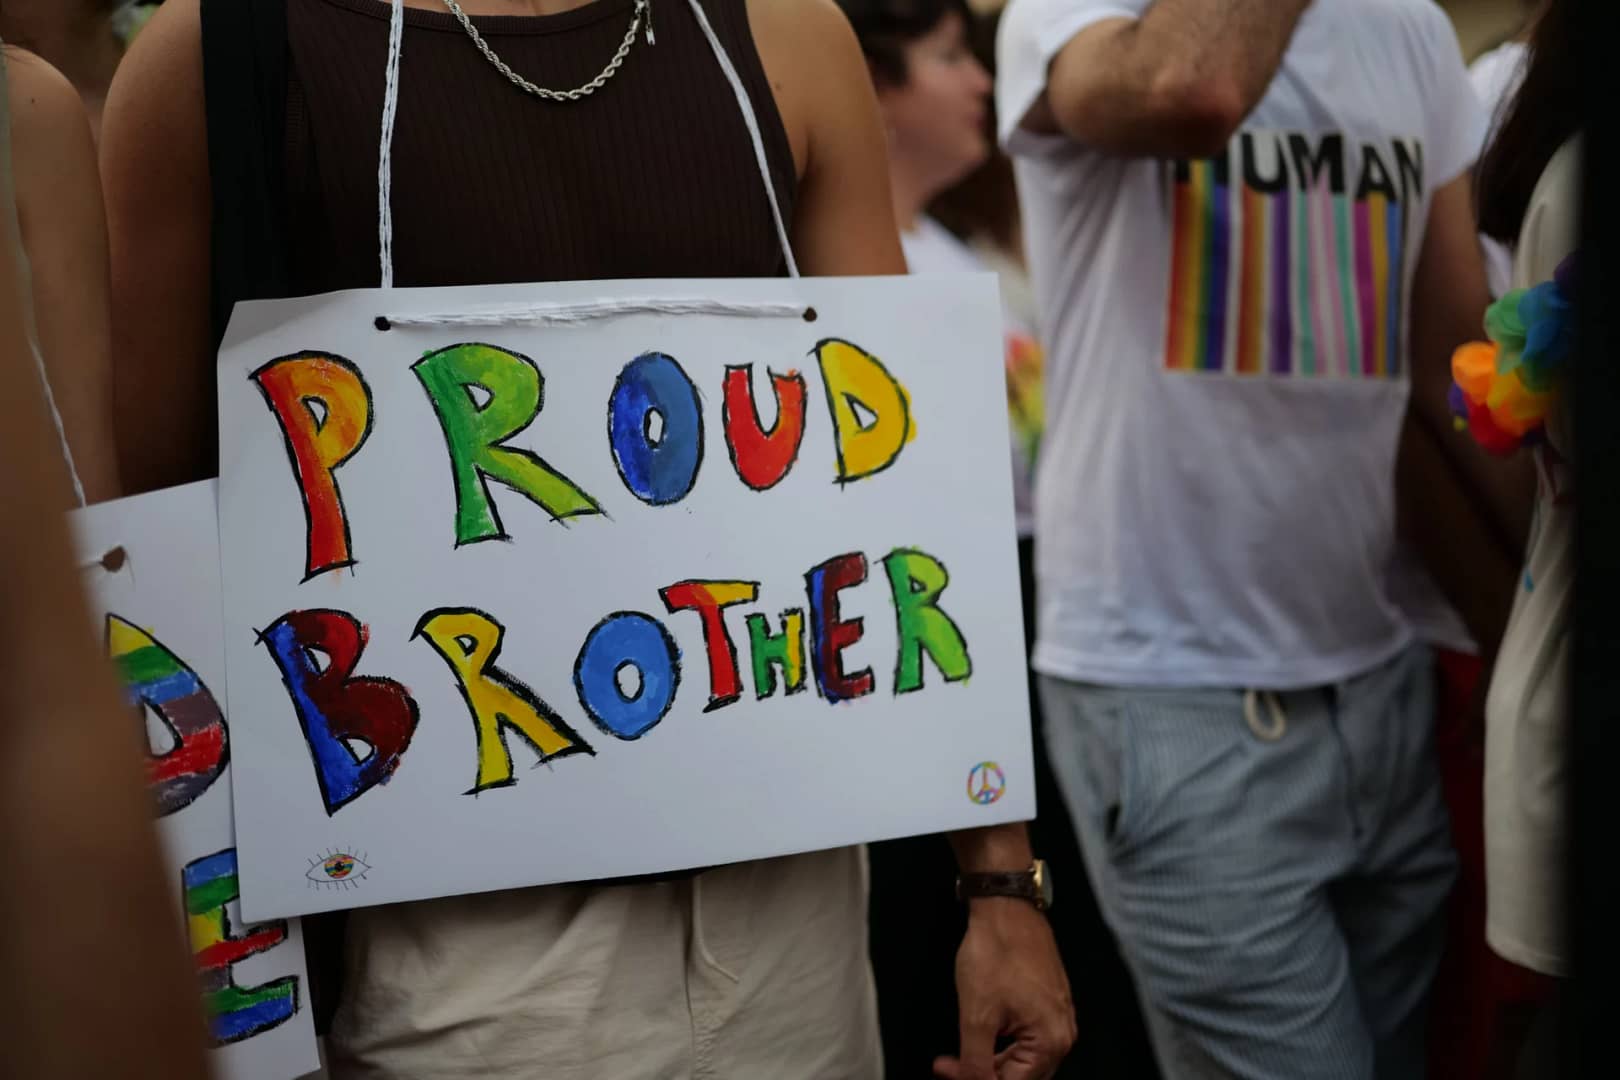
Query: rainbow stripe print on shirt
(1289, 256)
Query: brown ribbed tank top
(651, 176)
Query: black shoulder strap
(245, 84)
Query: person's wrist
(1030, 885)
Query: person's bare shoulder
(812, 60)
(53, 159)
(48, 122)
(844, 213)
(158, 90)
(802, 27)
(154, 129)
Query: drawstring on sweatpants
(1251, 714)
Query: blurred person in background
(88, 987)
(1231, 206)
(1459, 604)
(1529, 198)
(83, 39)
(928, 60)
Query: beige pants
(753, 970)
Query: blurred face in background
(937, 119)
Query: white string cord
(573, 314)
(747, 106)
(385, 213)
(1251, 714)
(56, 418)
(385, 152)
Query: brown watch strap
(1020, 885)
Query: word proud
(626, 675)
(484, 396)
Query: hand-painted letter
(470, 642)
(870, 439)
(656, 429)
(335, 708)
(156, 678)
(324, 407)
(709, 599)
(234, 1012)
(627, 639)
(830, 635)
(762, 458)
(771, 651)
(476, 430)
(916, 580)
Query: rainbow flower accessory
(1503, 389)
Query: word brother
(628, 669)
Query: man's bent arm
(1174, 83)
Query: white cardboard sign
(509, 604)
(152, 573)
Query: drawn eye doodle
(337, 870)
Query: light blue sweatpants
(1275, 866)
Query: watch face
(1043, 882)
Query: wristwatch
(1034, 885)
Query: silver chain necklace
(643, 11)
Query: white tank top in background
(1527, 713)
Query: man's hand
(1010, 982)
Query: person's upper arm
(154, 161)
(843, 221)
(1033, 33)
(64, 233)
(1450, 290)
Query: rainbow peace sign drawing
(986, 783)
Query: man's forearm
(1503, 490)
(1474, 570)
(1201, 40)
(1175, 82)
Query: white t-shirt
(931, 248)
(1527, 712)
(1226, 372)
